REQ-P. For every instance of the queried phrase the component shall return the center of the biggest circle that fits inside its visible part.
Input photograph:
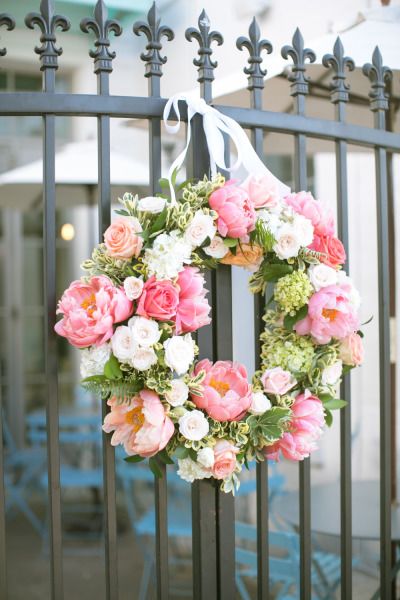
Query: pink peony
(193, 308)
(305, 429)
(141, 425)
(236, 214)
(121, 238)
(226, 392)
(90, 310)
(333, 252)
(262, 191)
(351, 350)
(224, 459)
(320, 215)
(330, 315)
(159, 300)
(277, 381)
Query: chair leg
(244, 594)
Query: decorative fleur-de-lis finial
(7, 21)
(379, 75)
(339, 62)
(47, 22)
(154, 32)
(255, 46)
(204, 37)
(101, 26)
(299, 55)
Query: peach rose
(224, 459)
(351, 350)
(247, 255)
(121, 238)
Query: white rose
(133, 287)
(332, 374)
(145, 331)
(205, 457)
(193, 425)
(143, 359)
(354, 294)
(189, 470)
(93, 360)
(217, 248)
(179, 353)
(179, 393)
(259, 403)
(200, 228)
(287, 242)
(304, 229)
(321, 276)
(122, 343)
(151, 204)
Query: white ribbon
(215, 124)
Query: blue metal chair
(284, 565)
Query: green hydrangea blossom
(286, 350)
(292, 292)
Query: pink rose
(351, 350)
(331, 314)
(193, 308)
(159, 300)
(236, 214)
(262, 191)
(320, 215)
(90, 310)
(226, 392)
(305, 429)
(224, 459)
(333, 252)
(141, 425)
(277, 381)
(121, 240)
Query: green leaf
(122, 212)
(94, 379)
(334, 404)
(155, 468)
(347, 369)
(192, 454)
(274, 271)
(134, 459)
(164, 183)
(328, 418)
(289, 321)
(165, 458)
(231, 242)
(181, 452)
(112, 369)
(160, 221)
(325, 397)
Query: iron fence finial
(7, 21)
(101, 26)
(299, 55)
(379, 75)
(47, 22)
(204, 37)
(339, 62)
(154, 32)
(255, 46)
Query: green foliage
(263, 237)
(267, 428)
(290, 320)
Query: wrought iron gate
(213, 512)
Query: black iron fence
(213, 512)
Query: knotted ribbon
(215, 125)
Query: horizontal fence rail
(213, 512)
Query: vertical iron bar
(3, 554)
(109, 483)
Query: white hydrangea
(205, 457)
(145, 332)
(321, 276)
(179, 393)
(143, 359)
(332, 373)
(167, 256)
(179, 353)
(151, 204)
(93, 360)
(189, 470)
(199, 229)
(193, 425)
(217, 248)
(123, 343)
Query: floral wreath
(134, 313)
